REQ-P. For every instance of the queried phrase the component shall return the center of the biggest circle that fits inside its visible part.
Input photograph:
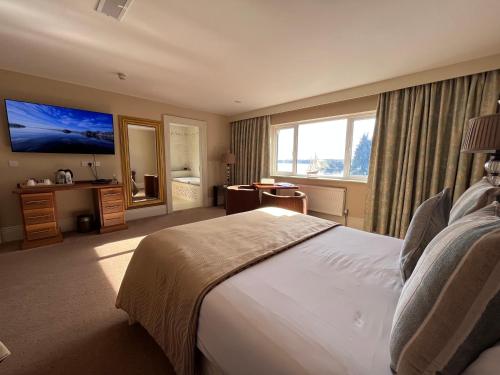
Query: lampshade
(228, 158)
(483, 134)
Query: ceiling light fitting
(114, 8)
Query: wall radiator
(327, 200)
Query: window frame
(351, 118)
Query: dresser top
(77, 185)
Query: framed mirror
(143, 168)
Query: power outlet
(13, 163)
(89, 163)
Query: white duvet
(323, 307)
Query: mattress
(188, 180)
(325, 306)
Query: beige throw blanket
(173, 269)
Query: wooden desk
(38, 206)
(274, 187)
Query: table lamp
(483, 136)
(229, 159)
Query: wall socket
(88, 163)
(13, 163)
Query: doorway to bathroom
(186, 163)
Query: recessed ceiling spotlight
(237, 101)
(121, 76)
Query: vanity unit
(38, 206)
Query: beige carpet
(57, 313)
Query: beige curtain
(416, 147)
(250, 144)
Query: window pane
(362, 136)
(285, 150)
(321, 148)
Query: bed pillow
(448, 310)
(475, 197)
(430, 218)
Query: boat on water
(315, 166)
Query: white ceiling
(206, 54)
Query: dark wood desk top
(77, 185)
(260, 186)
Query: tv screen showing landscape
(47, 128)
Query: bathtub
(186, 188)
(188, 180)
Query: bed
(323, 305)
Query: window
(332, 148)
(285, 141)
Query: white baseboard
(141, 213)
(68, 224)
(16, 233)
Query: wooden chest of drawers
(112, 209)
(40, 223)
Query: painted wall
(368, 103)
(35, 89)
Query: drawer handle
(41, 231)
(109, 194)
(37, 202)
(39, 216)
(114, 206)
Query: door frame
(202, 126)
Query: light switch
(13, 163)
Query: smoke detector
(121, 76)
(114, 8)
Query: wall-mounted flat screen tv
(46, 128)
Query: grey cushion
(475, 197)
(449, 309)
(430, 218)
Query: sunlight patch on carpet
(113, 258)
